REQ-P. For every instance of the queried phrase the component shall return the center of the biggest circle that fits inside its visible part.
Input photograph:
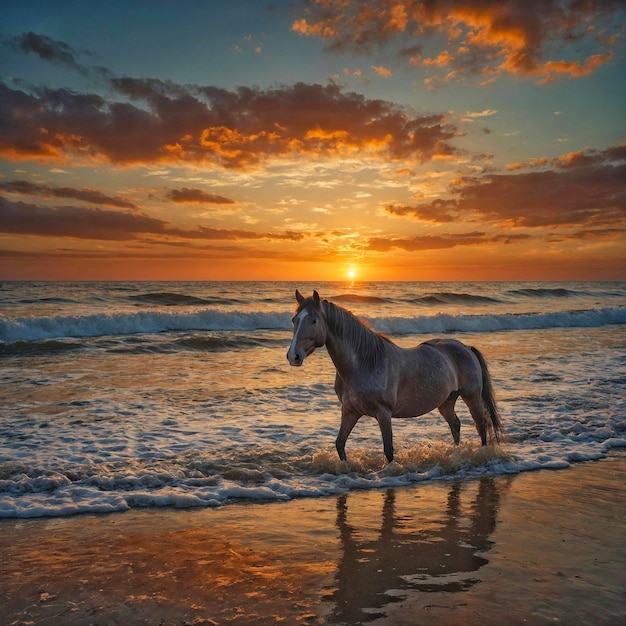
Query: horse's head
(309, 328)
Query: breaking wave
(42, 329)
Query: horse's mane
(369, 345)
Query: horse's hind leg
(448, 412)
(477, 409)
(384, 422)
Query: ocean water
(123, 395)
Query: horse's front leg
(384, 422)
(348, 421)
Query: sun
(351, 273)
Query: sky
(313, 140)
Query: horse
(377, 378)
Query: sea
(121, 395)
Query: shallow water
(536, 548)
(124, 395)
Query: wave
(443, 323)
(48, 346)
(41, 329)
(166, 298)
(142, 345)
(264, 474)
(355, 298)
(148, 322)
(48, 301)
(445, 297)
(557, 292)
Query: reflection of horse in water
(406, 553)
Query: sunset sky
(321, 140)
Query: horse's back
(452, 347)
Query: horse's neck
(343, 356)
(347, 354)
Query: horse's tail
(488, 396)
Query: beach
(532, 548)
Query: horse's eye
(313, 321)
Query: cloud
(482, 38)
(439, 211)
(168, 123)
(47, 49)
(196, 196)
(440, 242)
(85, 195)
(383, 72)
(582, 188)
(68, 221)
(472, 115)
(108, 225)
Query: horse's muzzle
(295, 360)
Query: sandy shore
(536, 548)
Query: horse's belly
(407, 406)
(414, 408)
(423, 383)
(414, 399)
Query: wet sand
(536, 548)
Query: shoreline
(532, 548)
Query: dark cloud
(85, 195)
(203, 232)
(439, 211)
(47, 49)
(440, 242)
(598, 233)
(482, 38)
(108, 225)
(583, 188)
(233, 129)
(68, 221)
(196, 196)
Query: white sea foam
(143, 322)
(154, 322)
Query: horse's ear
(316, 297)
(299, 297)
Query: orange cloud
(513, 36)
(443, 59)
(550, 70)
(383, 72)
(584, 188)
(196, 124)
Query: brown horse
(376, 377)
